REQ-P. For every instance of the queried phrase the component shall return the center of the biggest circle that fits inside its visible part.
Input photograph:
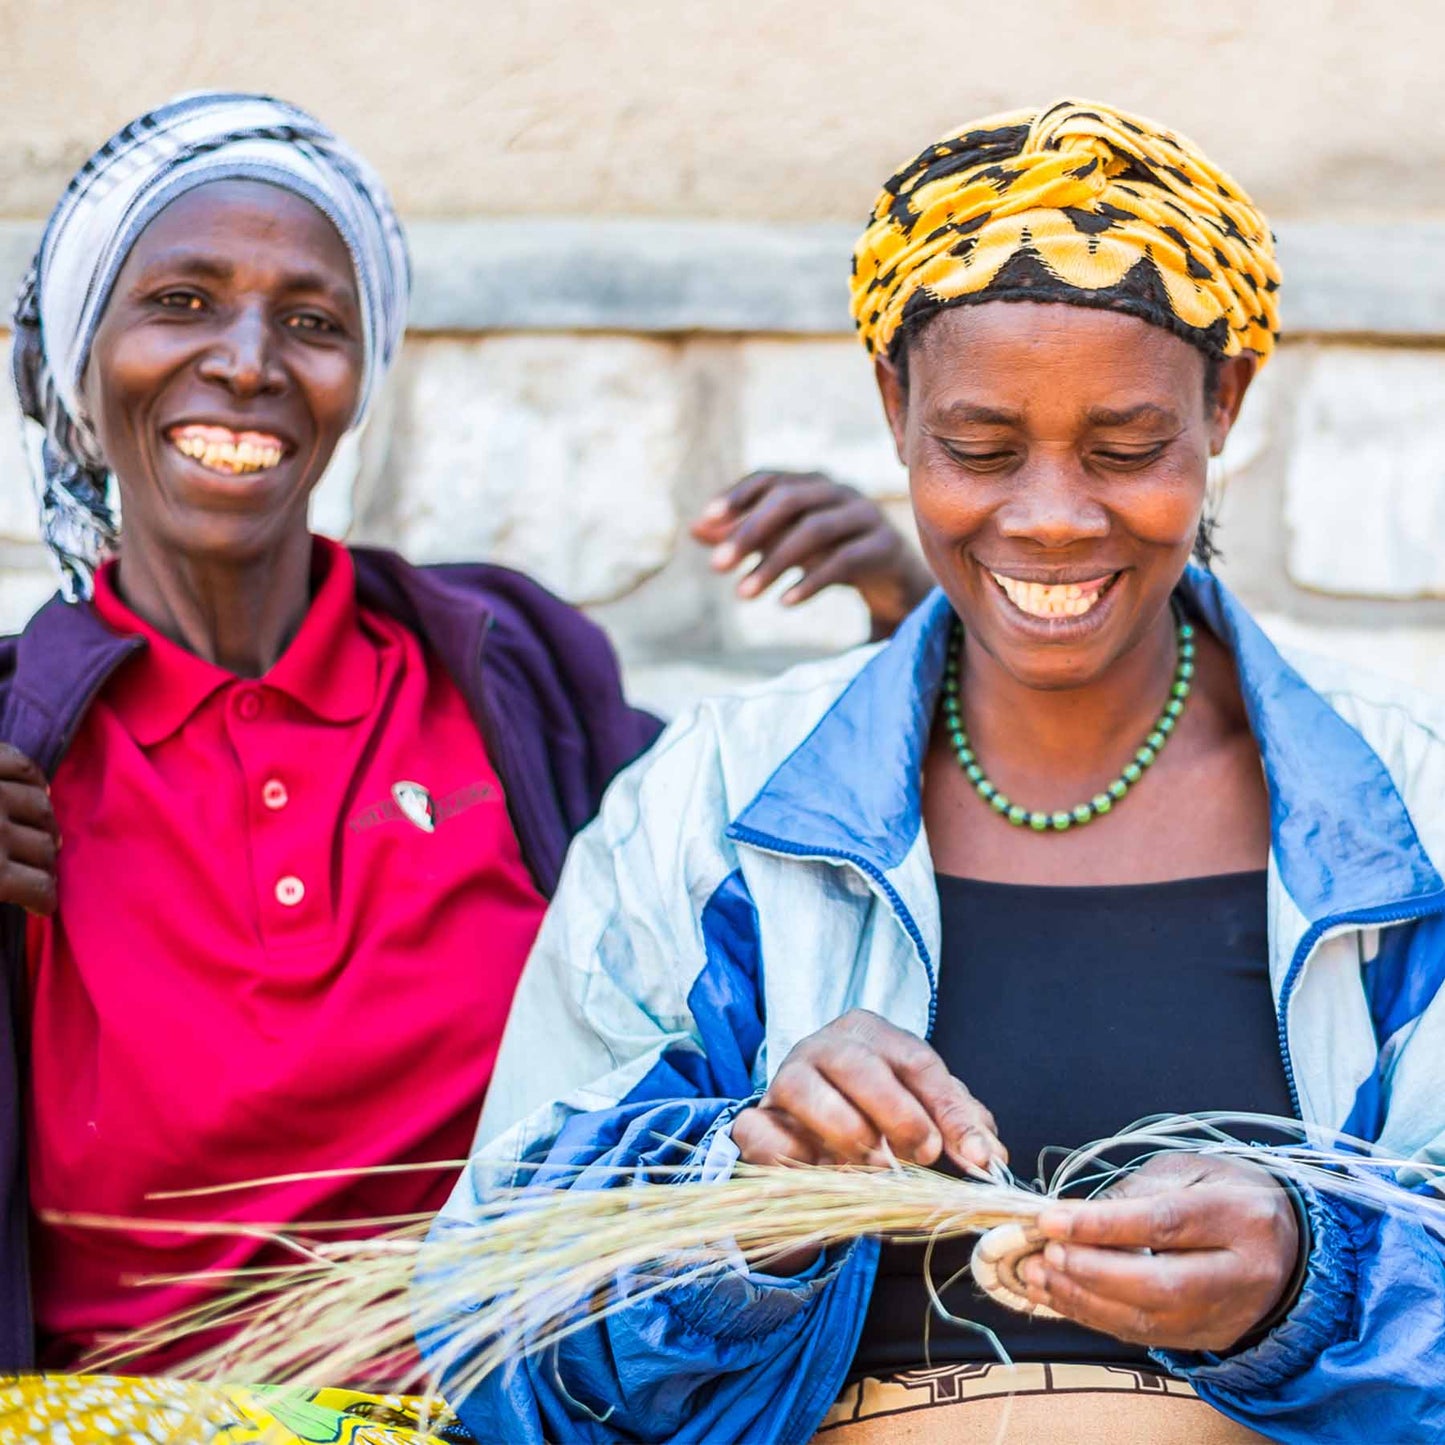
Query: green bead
(959, 744)
(1018, 816)
(1156, 739)
(1186, 649)
(1101, 802)
(951, 707)
(999, 803)
(1083, 813)
(1132, 773)
(1166, 725)
(1186, 631)
(1175, 707)
(1186, 669)
(974, 773)
(1038, 821)
(965, 754)
(1180, 689)
(1145, 756)
(986, 789)
(1119, 786)
(1061, 822)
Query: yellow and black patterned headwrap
(1077, 203)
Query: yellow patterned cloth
(105, 1410)
(1080, 197)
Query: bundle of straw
(535, 1264)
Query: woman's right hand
(856, 1085)
(29, 835)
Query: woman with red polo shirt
(305, 804)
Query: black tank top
(1072, 1012)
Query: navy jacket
(541, 681)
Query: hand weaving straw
(532, 1265)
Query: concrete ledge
(670, 277)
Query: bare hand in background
(833, 533)
(29, 835)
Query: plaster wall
(783, 110)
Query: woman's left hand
(1223, 1242)
(829, 531)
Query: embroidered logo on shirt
(415, 804)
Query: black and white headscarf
(194, 139)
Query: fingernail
(983, 1148)
(748, 587)
(789, 597)
(715, 508)
(724, 555)
(1056, 1254)
(1031, 1271)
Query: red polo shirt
(293, 911)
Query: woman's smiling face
(227, 366)
(1057, 459)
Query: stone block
(813, 405)
(18, 515)
(27, 581)
(833, 620)
(331, 502)
(555, 455)
(1365, 485)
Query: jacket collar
(61, 660)
(1341, 835)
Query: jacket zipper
(900, 909)
(1363, 917)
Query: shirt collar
(329, 668)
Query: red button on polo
(249, 706)
(274, 794)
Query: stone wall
(579, 457)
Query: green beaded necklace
(1100, 803)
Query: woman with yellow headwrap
(1078, 842)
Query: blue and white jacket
(764, 869)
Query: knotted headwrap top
(1077, 203)
(194, 139)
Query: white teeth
(1068, 599)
